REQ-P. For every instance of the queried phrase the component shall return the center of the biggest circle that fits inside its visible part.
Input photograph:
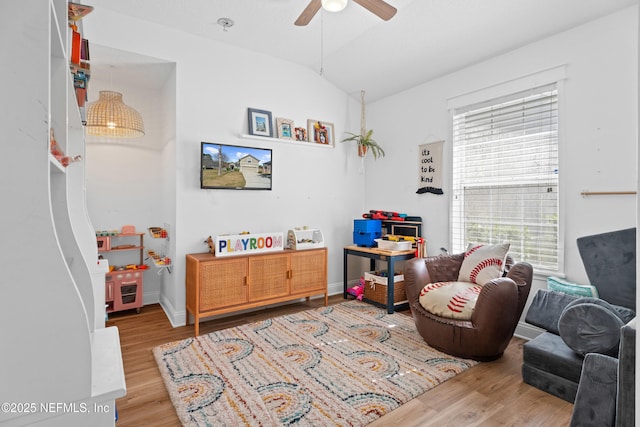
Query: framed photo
(285, 128)
(320, 132)
(260, 123)
(301, 134)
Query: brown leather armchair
(494, 318)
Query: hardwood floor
(490, 394)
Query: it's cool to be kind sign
(430, 164)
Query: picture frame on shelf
(260, 122)
(285, 128)
(301, 134)
(320, 132)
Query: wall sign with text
(430, 164)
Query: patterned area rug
(346, 364)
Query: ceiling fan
(378, 7)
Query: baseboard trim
(150, 298)
(527, 331)
(178, 318)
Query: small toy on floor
(357, 290)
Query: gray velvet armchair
(606, 392)
(553, 361)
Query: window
(505, 176)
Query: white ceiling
(358, 51)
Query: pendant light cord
(321, 42)
(363, 124)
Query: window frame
(555, 75)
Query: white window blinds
(505, 175)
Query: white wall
(214, 86)
(126, 178)
(327, 188)
(123, 187)
(597, 131)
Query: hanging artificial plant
(365, 140)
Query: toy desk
(376, 254)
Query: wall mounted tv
(234, 167)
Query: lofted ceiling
(356, 50)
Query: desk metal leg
(344, 277)
(391, 271)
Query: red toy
(358, 290)
(385, 215)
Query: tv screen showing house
(235, 167)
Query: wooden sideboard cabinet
(217, 285)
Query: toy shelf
(305, 239)
(160, 253)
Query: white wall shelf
(288, 141)
(56, 166)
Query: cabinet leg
(138, 310)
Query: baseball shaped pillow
(483, 263)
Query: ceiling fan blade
(308, 13)
(378, 7)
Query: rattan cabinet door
(223, 283)
(268, 276)
(308, 271)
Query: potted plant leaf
(365, 139)
(365, 143)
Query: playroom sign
(243, 244)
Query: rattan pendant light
(110, 117)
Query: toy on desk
(386, 215)
(305, 238)
(396, 242)
(357, 290)
(128, 229)
(421, 248)
(395, 238)
(390, 216)
(211, 244)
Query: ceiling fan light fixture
(334, 5)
